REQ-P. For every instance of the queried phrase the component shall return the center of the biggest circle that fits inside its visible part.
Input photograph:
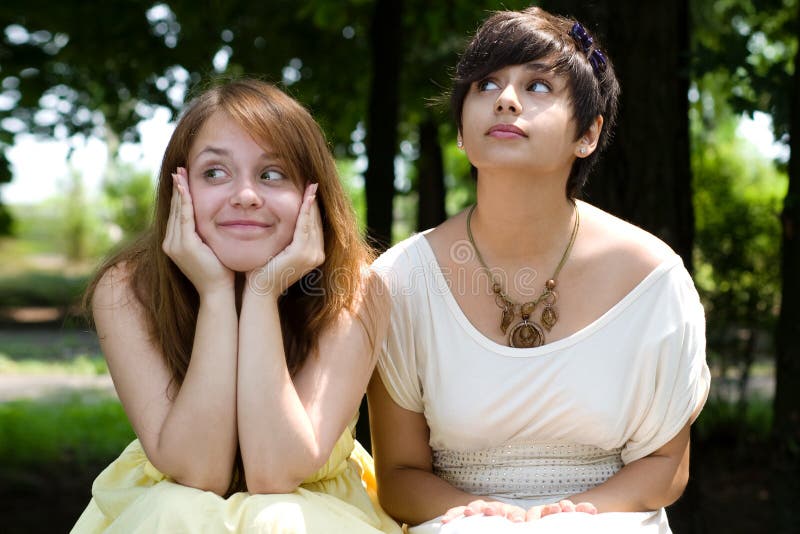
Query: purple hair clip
(598, 61)
(596, 58)
(581, 36)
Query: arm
(649, 483)
(288, 425)
(189, 435)
(407, 487)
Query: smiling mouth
(245, 223)
(506, 131)
(245, 227)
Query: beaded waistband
(529, 470)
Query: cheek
(203, 211)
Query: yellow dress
(131, 496)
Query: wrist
(264, 282)
(218, 295)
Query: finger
(493, 508)
(174, 207)
(534, 513)
(550, 509)
(516, 514)
(586, 507)
(311, 211)
(187, 209)
(302, 226)
(567, 505)
(475, 507)
(453, 513)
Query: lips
(244, 227)
(244, 223)
(506, 131)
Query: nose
(245, 196)
(508, 100)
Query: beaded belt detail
(528, 470)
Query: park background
(694, 73)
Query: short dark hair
(518, 37)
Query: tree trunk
(645, 175)
(786, 408)
(385, 40)
(430, 176)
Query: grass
(48, 344)
(81, 365)
(83, 429)
(42, 289)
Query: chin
(244, 265)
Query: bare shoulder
(617, 244)
(114, 291)
(443, 236)
(118, 314)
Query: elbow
(282, 484)
(387, 497)
(213, 478)
(671, 493)
(280, 477)
(215, 485)
(214, 481)
(677, 487)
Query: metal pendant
(549, 317)
(508, 316)
(525, 335)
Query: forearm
(414, 496)
(649, 483)
(278, 443)
(197, 442)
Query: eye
(487, 85)
(214, 174)
(272, 175)
(539, 87)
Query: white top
(625, 384)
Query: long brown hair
(169, 299)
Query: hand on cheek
(183, 245)
(305, 252)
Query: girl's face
(520, 117)
(245, 205)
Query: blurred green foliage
(128, 196)
(79, 429)
(41, 289)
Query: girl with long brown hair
(240, 332)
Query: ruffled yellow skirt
(132, 496)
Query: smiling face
(245, 204)
(520, 117)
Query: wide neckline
(443, 288)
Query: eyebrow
(538, 67)
(225, 152)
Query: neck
(521, 218)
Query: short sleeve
(397, 365)
(682, 378)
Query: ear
(588, 141)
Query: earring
(583, 150)
(460, 143)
